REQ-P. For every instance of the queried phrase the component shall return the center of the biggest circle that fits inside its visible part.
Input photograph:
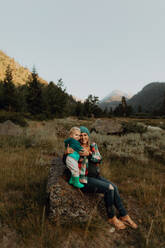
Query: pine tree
(163, 105)
(22, 96)
(9, 90)
(1, 95)
(79, 109)
(161, 110)
(34, 94)
(91, 108)
(110, 114)
(124, 106)
(118, 111)
(56, 99)
(139, 109)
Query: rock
(152, 128)
(107, 127)
(66, 203)
(9, 128)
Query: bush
(133, 127)
(16, 118)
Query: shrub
(16, 118)
(133, 127)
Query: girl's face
(76, 135)
(84, 138)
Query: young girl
(72, 158)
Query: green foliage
(90, 107)
(123, 109)
(34, 94)
(56, 99)
(79, 109)
(161, 111)
(22, 92)
(1, 95)
(16, 118)
(9, 91)
(133, 127)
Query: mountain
(20, 73)
(150, 98)
(113, 99)
(115, 95)
(77, 99)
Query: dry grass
(24, 168)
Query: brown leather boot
(128, 221)
(117, 223)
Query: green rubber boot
(71, 180)
(77, 184)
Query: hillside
(149, 98)
(20, 73)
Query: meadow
(135, 162)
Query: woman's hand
(85, 152)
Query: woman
(97, 184)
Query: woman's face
(84, 138)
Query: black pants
(111, 196)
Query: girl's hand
(69, 150)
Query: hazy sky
(95, 46)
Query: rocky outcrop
(66, 203)
(107, 127)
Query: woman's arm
(95, 155)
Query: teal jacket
(75, 145)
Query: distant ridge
(113, 99)
(20, 73)
(77, 99)
(150, 98)
(115, 95)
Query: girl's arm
(68, 150)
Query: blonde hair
(73, 129)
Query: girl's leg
(72, 165)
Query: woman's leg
(111, 197)
(117, 199)
(95, 185)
